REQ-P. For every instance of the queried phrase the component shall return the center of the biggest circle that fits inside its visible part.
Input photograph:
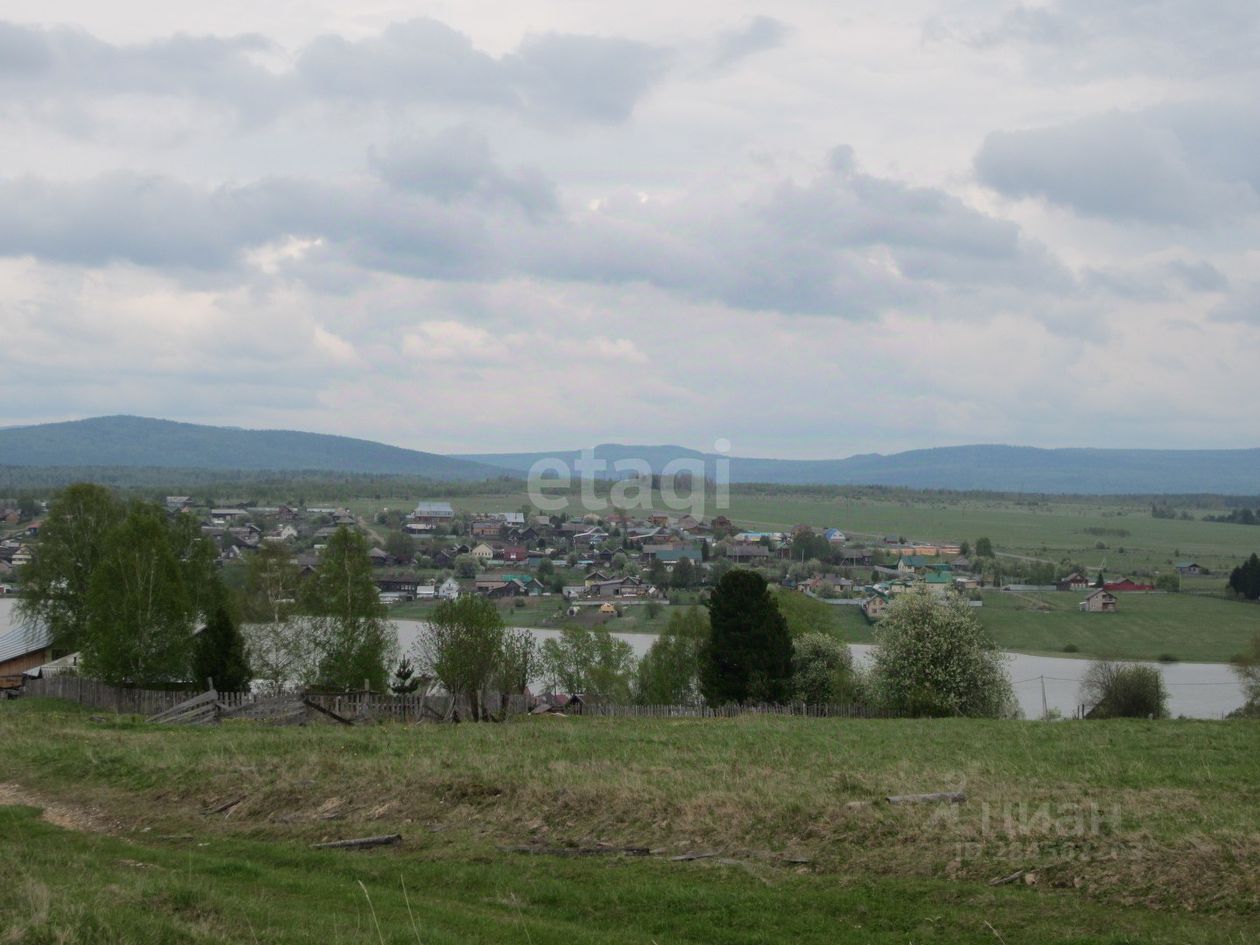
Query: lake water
(1197, 690)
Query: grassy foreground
(1133, 832)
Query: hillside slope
(143, 442)
(999, 468)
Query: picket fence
(412, 708)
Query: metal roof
(16, 640)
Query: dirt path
(372, 532)
(58, 813)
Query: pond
(1196, 690)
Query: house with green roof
(912, 563)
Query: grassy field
(1145, 626)
(1134, 832)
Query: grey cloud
(591, 78)
(1242, 307)
(1121, 37)
(40, 63)
(1157, 282)
(761, 34)
(1162, 166)
(459, 164)
(549, 77)
(1198, 276)
(845, 244)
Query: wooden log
(1003, 880)
(227, 806)
(944, 797)
(359, 843)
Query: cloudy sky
(813, 229)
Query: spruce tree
(219, 652)
(748, 657)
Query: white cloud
(553, 225)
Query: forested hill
(142, 442)
(135, 442)
(998, 468)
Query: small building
(859, 558)
(482, 552)
(748, 554)
(1101, 601)
(433, 513)
(873, 607)
(448, 589)
(22, 650)
(1190, 567)
(911, 564)
(1127, 585)
(1073, 582)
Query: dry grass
(1156, 813)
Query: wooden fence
(98, 695)
(356, 706)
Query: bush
(933, 658)
(1167, 658)
(1124, 691)
(1247, 668)
(822, 671)
(1071, 648)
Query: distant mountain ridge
(143, 442)
(982, 467)
(130, 442)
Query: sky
(810, 229)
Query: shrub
(1167, 658)
(1247, 668)
(1071, 648)
(822, 671)
(1124, 691)
(933, 658)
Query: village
(436, 551)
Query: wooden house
(1100, 602)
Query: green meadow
(567, 830)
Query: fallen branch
(1003, 880)
(226, 806)
(385, 840)
(579, 851)
(950, 797)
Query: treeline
(267, 486)
(1244, 580)
(1241, 516)
(137, 593)
(129, 587)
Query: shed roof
(18, 641)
